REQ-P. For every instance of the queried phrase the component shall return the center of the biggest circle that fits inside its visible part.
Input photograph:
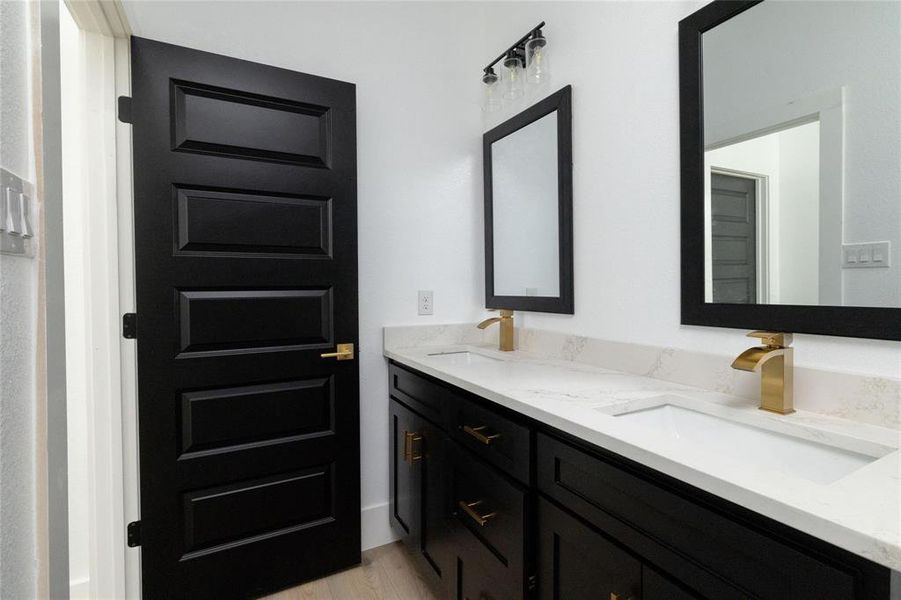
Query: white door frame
(108, 292)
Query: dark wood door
(733, 211)
(576, 562)
(246, 266)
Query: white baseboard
(376, 526)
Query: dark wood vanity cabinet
(500, 507)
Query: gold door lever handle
(345, 352)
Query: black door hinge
(130, 326)
(133, 534)
(124, 109)
(532, 583)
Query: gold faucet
(775, 361)
(506, 334)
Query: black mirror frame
(862, 322)
(561, 102)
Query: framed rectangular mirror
(528, 209)
(791, 166)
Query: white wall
(18, 323)
(417, 67)
(839, 37)
(799, 215)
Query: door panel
(246, 267)
(733, 209)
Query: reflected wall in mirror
(802, 154)
(528, 209)
(791, 166)
(524, 219)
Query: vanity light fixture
(525, 64)
(491, 91)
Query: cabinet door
(655, 586)
(490, 516)
(418, 488)
(576, 562)
(406, 472)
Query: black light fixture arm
(519, 45)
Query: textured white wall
(18, 321)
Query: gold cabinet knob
(344, 352)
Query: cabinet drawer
(492, 437)
(719, 555)
(490, 513)
(433, 401)
(576, 562)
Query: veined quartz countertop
(860, 512)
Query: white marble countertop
(860, 512)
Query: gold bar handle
(469, 509)
(476, 432)
(410, 455)
(345, 352)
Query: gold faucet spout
(774, 361)
(754, 358)
(484, 324)
(505, 337)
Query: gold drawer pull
(345, 352)
(476, 432)
(410, 455)
(469, 509)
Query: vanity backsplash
(865, 399)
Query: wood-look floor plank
(385, 573)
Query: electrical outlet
(426, 302)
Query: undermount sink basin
(463, 357)
(741, 444)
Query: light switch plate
(16, 228)
(426, 302)
(867, 255)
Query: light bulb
(538, 68)
(491, 92)
(514, 84)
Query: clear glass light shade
(538, 71)
(492, 93)
(514, 78)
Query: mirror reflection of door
(764, 213)
(733, 215)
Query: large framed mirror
(528, 209)
(791, 166)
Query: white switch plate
(426, 302)
(867, 255)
